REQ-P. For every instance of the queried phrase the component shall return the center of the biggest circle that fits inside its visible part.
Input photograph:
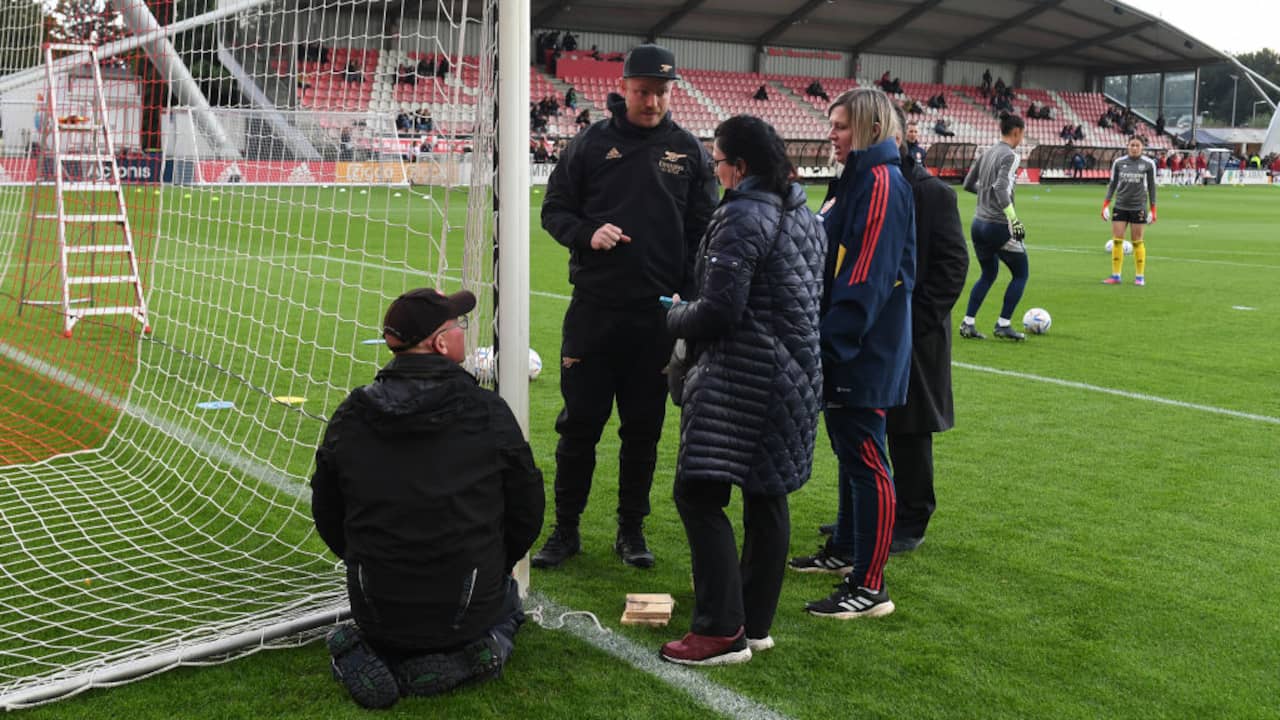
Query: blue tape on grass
(216, 405)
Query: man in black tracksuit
(630, 198)
(426, 488)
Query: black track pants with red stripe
(864, 520)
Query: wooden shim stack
(648, 609)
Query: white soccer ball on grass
(1037, 321)
(1128, 246)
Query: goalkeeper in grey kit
(1133, 186)
(996, 231)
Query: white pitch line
(1121, 393)
(710, 694)
(1162, 258)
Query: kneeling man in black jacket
(426, 488)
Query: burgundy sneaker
(694, 649)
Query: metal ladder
(83, 143)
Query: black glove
(1017, 230)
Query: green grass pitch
(1102, 545)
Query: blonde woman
(869, 217)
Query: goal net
(289, 169)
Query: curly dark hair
(754, 141)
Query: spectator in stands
(595, 53)
(1077, 166)
(404, 124)
(999, 87)
(884, 82)
(353, 74)
(537, 119)
(1104, 120)
(762, 93)
(303, 84)
(427, 67)
(1160, 124)
(1033, 111)
(986, 82)
(584, 119)
(540, 154)
(912, 147)
(426, 489)
(570, 42)
(346, 147)
(405, 75)
(422, 121)
(571, 98)
(913, 107)
(943, 127)
(1077, 133)
(815, 90)
(630, 200)
(1067, 133)
(442, 67)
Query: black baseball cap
(652, 61)
(416, 314)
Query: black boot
(632, 548)
(563, 544)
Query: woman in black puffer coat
(752, 396)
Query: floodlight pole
(1235, 83)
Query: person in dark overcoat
(942, 263)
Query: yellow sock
(1139, 258)
(1117, 255)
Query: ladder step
(81, 249)
(101, 279)
(119, 310)
(73, 47)
(78, 127)
(82, 218)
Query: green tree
(1217, 86)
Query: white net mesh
(153, 488)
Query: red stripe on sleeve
(875, 223)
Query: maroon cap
(415, 315)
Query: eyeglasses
(718, 161)
(461, 323)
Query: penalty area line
(1121, 393)
(716, 697)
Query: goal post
(154, 487)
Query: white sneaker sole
(756, 645)
(842, 571)
(872, 612)
(729, 658)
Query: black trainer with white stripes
(826, 560)
(849, 602)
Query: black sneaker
(824, 561)
(632, 548)
(848, 602)
(563, 544)
(905, 545)
(435, 673)
(1007, 332)
(365, 676)
(967, 330)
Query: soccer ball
(1128, 247)
(1037, 321)
(481, 364)
(535, 364)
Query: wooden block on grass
(648, 609)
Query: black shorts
(1134, 217)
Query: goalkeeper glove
(1153, 214)
(1106, 210)
(1017, 230)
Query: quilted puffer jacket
(752, 396)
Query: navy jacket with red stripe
(869, 216)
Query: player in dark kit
(630, 198)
